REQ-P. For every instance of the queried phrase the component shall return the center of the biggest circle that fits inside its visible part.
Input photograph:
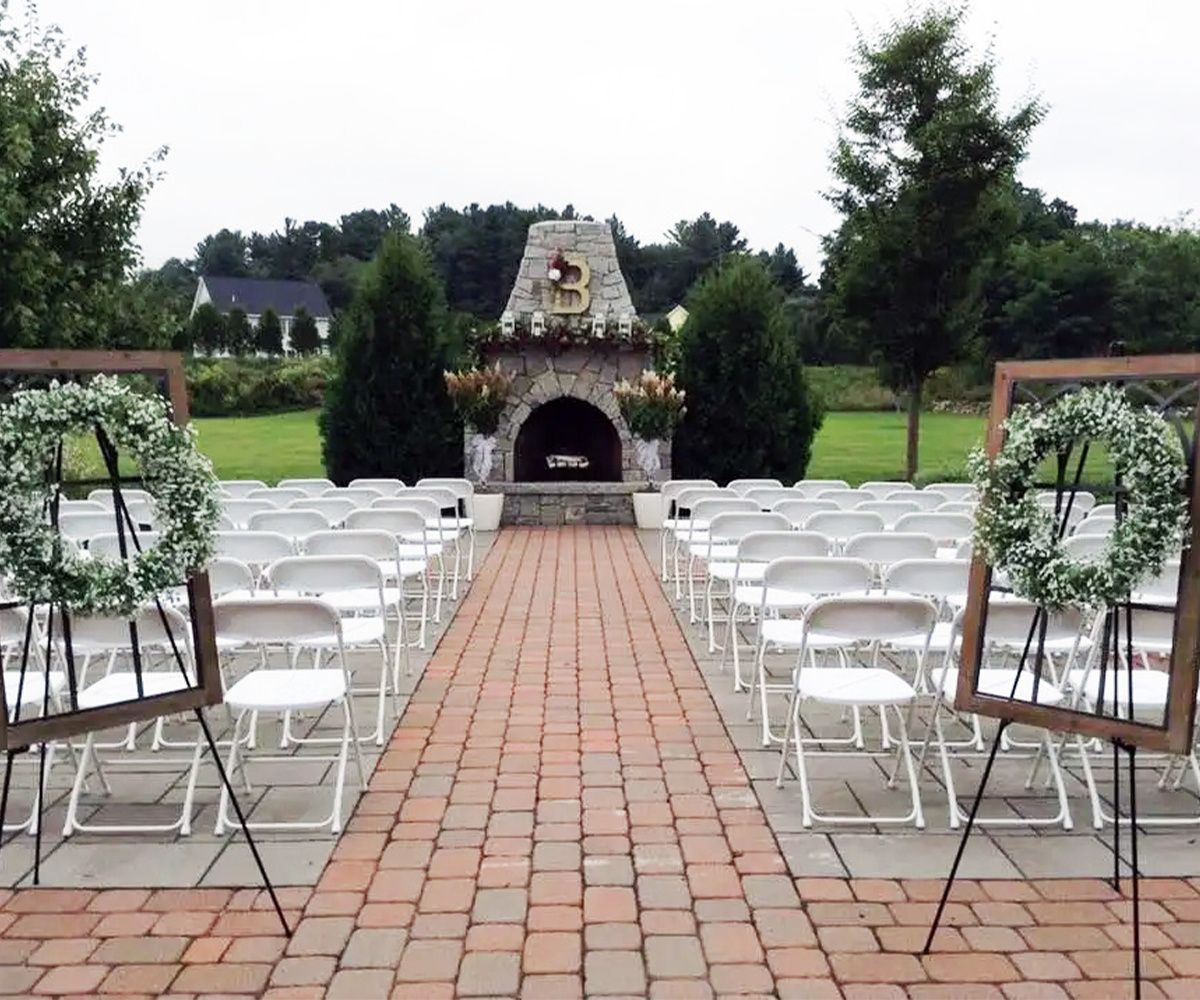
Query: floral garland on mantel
(1017, 535)
(564, 331)
(39, 565)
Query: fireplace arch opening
(567, 439)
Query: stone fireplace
(564, 454)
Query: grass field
(851, 446)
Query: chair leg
(1063, 805)
(189, 796)
(72, 821)
(339, 783)
(906, 753)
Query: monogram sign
(570, 295)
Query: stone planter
(647, 510)
(485, 509)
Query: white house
(254, 296)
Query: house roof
(255, 295)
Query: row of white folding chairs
(879, 489)
(316, 487)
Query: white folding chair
(890, 510)
(311, 487)
(108, 545)
(240, 488)
(104, 497)
(1162, 588)
(676, 513)
(799, 511)
(258, 549)
(450, 524)
(953, 491)
(847, 499)
(767, 496)
(948, 529)
(294, 523)
(239, 511)
(943, 581)
(360, 496)
(1082, 500)
(882, 489)
(354, 587)
(79, 527)
(792, 584)
(812, 488)
(743, 486)
(883, 548)
(167, 633)
(696, 540)
(385, 487)
(335, 510)
(850, 624)
(927, 499)
(720, 555)
(81, 506)
(842, 525)
(407, 526)
(1102, 526)
(294, 621)
(754, 552)
(279, 497)
(464, 491)
(967, 507)
(232, 578)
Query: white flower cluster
(40, 565)
(1018, 535)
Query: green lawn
(851, 446)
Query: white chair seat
(999, 684)
(939, 639)
(749, 572)
(1149, 687)
(706, 551)
(279, 690)
(33, 689)
(753, 596)
(355, 632)
(360, 600)
(789, 632)
(122, 686)
(855, 686)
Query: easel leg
(237, 808)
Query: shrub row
(227, 387)
(843, 388)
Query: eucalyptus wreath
(40, 566)
(1019, 536)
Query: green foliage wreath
(39, 566)
(1017, 535)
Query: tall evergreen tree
(386, 409)
(268, 336)
(239, 335)
(749, 412)
(304, 338)
(207, 329)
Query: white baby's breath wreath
(39, 565)
(1016, 534)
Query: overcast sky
(651, 109)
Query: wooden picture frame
(167, 367)
(1175, 733)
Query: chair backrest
(239, 488)
(809, 576)
(883, 548)
(278, 619)
(81, 506)
(227, 576)
(743, 486)
(239, 511)
(1082, 501)
(445, 498)
(385, 487)
(673, 487)
(256, 548)
(958, 507)
(108, 544)
(693, 494)
(949, 528)
(112, 631)
(13, 622)
(764, 546)
(82, 525)
(295, 523)
(735, 525)
(882, 488)
(799, 511)
(846, 499)
(141, 511)
(812, 488)
(372, 543)
(323, 574)
(1085, 546)
(941, 578)
(965, 550)
(404, 523)
(1103, 510)
(890, 510)
(953, 491)
(842, 524)
(706, 510)
(1009, 621)
(360, 496)
(311, 487)
(280, 498)
(1100, 525)
(871, 618)
(767, 496)
(926, 499)
(104, 497)
(1163, 587)
(462, 488)
(335, 509)
(428, 509)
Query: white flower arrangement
(40, 566)
(1016, 534)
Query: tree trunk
(914, 428)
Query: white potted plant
(480, 395)
(652, 407)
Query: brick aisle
(560, 814)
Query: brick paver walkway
(561, 813)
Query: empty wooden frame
(166, 368)
(1171, 384)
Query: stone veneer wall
(586, 373)
(594, 240)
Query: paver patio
(562, 812)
